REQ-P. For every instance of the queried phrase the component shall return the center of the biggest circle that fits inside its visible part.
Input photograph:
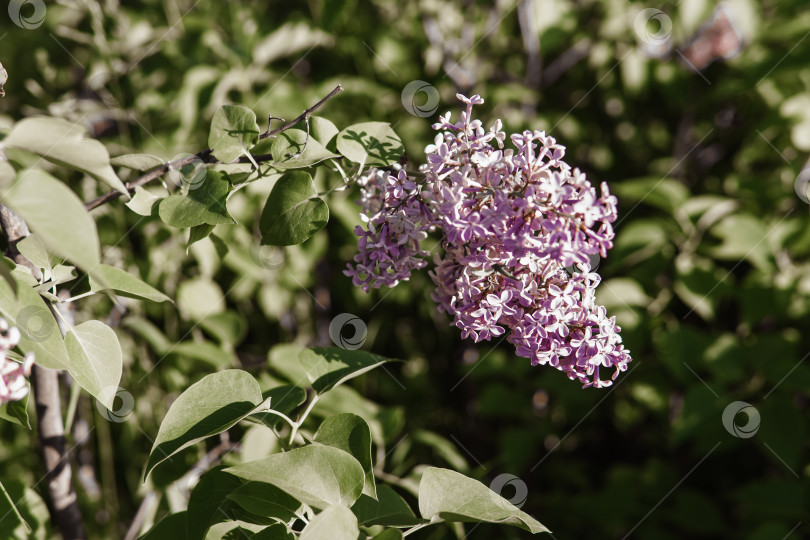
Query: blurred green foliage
(709, 277)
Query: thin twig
(206, 157)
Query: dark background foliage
(709, 276)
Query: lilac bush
(518, 227)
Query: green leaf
(335, 522)
(389, 509)
(12, 523)
(56, 215)
(274, 532)
(39, 332)
(124, 284)
(96, 360)
(293, 211)
(206, 203)
(209, 503)
(63, 143)
(30, 507)
(443, 447)
(328, 367)
(137, 162)
(451, 496)
(17, 411)
(289, 150)
(266, 500)
(171, 527)
(197, 233)
(373, 143)
(233, 132)
(351, 434)
(208, 407)
(315, 475)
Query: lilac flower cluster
(13, 386)
(518, 229)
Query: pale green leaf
(63, 143)
(206, 408)
(315, 475)
(96, 360)
(57, 216)
(124, 283)
(373, 143)
(450, 496)
(335, 522)
(38, 329)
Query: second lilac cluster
(518, 229)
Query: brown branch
(206, 157)
(64, 506)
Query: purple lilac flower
(13, 385)
(512, 221)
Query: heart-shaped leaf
(96, 360)
(351, 434)
(315, 475)
(233, 132)
(205, 203)
(206, 408)
(292, 149)
(451, 496)
(293, 211)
